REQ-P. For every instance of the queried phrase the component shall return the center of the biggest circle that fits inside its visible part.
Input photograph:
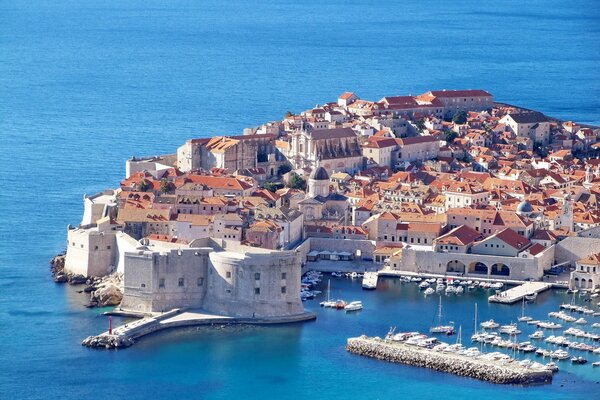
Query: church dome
(524, 207)
(319, 174)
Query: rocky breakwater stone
(107, 291)
(57, 268)
(107, 341)
(462, 366)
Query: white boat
(424, 285)
(353, 306)
(596, 364)
(489, 324)
(530, 296)
(328, 303)
(537, 335)
(581, 321)
(450, 289)
(549, 325)
(523, 317)
(448, 329)
(440, 287)
(429, 291)
(354, 275)
(459, 289)
(509, 329)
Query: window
(257, 276)
(143, 285)
(257, 290)
(283, 275)
(95, 247)
(200, 281)
(228, 274)
(283, 290)
(161, 283)
(181, 282)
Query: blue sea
(86, 84)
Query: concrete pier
(517, 293)
(478, 368)
(369, 281)
(126, 335)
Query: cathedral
(333, 149)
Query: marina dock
(495, 371)
(517, 293)
(127, 334)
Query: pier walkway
(517, 293)
(127, 334)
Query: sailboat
(329, 303)
(447, 329)
(523, 318)
(475, 336)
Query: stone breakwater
(486, 370)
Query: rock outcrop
(107, 341)
(105, 291)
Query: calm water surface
(86, 84)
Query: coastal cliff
(104, 291)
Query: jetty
(127, 334)
(369, 281)
(517, 293)
(495, 371)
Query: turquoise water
(86, 84)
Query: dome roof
(319, 174)
(524, 207)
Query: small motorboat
(340, 304)
(552, 367)
(537, 335)
(596, 364)
(353, 306)
(530, 296)
(423, 285)
(489, 324)
(578, 360)
(429, 291)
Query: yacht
(448, 329)
(552, 367)
(424, 285)
(459, 289)
(531, 296)
(509, 329)
(559, 355)
(353, 306)
(537, 335)
(429, 291)
(340, 304)
(596, 364)
(578, 360)
(489, 324)
(581, 321)
(450, 289)
(549, 325)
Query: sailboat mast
(475, 330)
(329, 290)
(440, 311)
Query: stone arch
(478, 268)
(576, 280)
(500, 269)
(590, 284)
(456, 266)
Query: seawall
(486, 370)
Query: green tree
(420, 125)
(165, 186)
(143, 185)
(460, 117)
(450, 135)
(296, 182)
(272, 186)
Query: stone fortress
(213, 275)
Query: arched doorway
(500, 269)
(576, 281)
(456, 266)
(478, 268)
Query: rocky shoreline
(462, 366)
(104, 291)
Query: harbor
(495, 368)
